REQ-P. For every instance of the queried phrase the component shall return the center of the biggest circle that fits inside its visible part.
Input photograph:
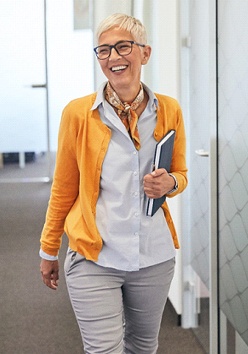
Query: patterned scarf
(126, 111)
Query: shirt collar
(99, 97)
(152, 103)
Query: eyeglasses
(122, 48)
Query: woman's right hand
(50, 273)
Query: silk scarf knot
(126, 111)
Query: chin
(119, 83)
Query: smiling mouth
(118, 68)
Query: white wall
(161, 20)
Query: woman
(120, 262)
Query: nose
(113, 53)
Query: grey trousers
(117, 312)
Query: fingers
(50, 280)
(50, 273)
(155, 183)
(158, 172)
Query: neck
(143, 104)
(127, 94)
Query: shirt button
(136, 215)
(135, 152)
(135, 173)
(136, 234)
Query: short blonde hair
(128, 23)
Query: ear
(146, 53)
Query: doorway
(46, 61)
(24, 135)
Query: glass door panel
(233, 171)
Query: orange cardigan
(82, 145)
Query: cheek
(136, 67)
(101, 63)
(103, 67)
(137, 63)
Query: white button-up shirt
(131, 240)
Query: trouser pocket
(71, 260)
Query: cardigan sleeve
(65, 184)
(169, 117)
(178, 163)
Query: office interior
(199, 56)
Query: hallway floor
(35, 319)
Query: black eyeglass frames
(122, 48)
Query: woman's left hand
(158, 183)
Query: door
(23, 90)
(45, 46)
(216, 250)
(233, 172)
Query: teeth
(116, 68)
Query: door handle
(202, 153)
(39, 85)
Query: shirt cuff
(46, 256)
(175, 186)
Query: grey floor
(35, 319)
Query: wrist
(175, 184)
(47, 256)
